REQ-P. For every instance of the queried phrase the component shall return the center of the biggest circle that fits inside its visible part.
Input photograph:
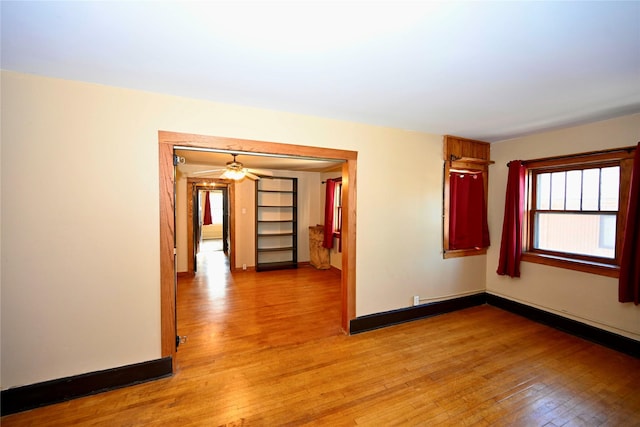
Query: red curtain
(207, 210)
(629, 280)
(511, 243)
(329, 206)
(467, 214)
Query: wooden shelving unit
(276, 223)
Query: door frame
(168, 141)
(193, 185)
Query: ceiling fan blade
(261, 172)
(234, 167)
(208, 171)
(251, 176)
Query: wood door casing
(167, 141)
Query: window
(337, 213)
(333, 213)
(574, 212)
(215, 203)
(465, 187)
(576, 205)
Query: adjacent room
(310, 213)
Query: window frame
(590, 264)
(337, 209)
(462, 154)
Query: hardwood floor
(265, 349)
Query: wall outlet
(416, 300)
(244, 266)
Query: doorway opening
(210, 207)
(211, 235)
(220, 193)
(169, 141)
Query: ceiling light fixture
(237, 172)
(234, 174)
(234, 170)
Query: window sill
(457, 253)
(571, 264)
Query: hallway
(222, 313)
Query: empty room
(320, 213)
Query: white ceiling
(482, 70)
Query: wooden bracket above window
(454, 158)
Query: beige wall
(81, 291)
(80, 280)
(182, 237)
(585, 297)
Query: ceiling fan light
(235, 175)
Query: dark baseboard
(388, 318)
(55, 391)
(591, 333)
(60, 390)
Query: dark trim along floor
(60, 390)
(388, 318)
(33, 396)
(600, 336)
(591, 333)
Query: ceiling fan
(236, 171)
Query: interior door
(176, 160)
(225, 220)
(196, 225)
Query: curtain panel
(629, 279)
(511, 242)
(468, 226)
(207, 210)
(329, 206)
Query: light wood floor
(265, 349)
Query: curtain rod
(573, 156)
(335, 179)
(466, 171)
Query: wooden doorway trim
(194, 184)
(167, 141)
